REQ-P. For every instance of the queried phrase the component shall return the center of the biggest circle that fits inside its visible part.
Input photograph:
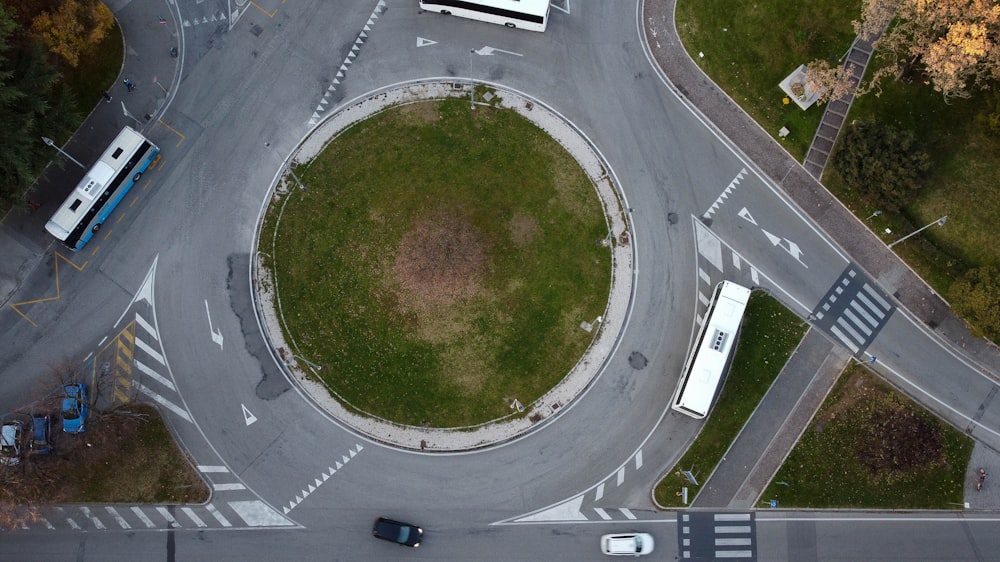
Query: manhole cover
(637, 360)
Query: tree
(955, 43)
(882, 163)
(976, 298)
(30, 96)
(72, 27)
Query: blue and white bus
(707, 360)
(102, 188)
(532, 15)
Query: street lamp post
(472, 93)
(49, 142)
(939, 222)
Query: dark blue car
(41, 435)
(74, 407)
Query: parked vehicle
(10, 442)
(41, 435)
(397, 532)
(627, 544)
(74, 408)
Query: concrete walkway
(775, 426)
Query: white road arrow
(421, 42)
(792, 248)
(744, 213)
(216, 336)
(250, 418)
(487, 51)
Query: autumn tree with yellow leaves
(72, 27)
(953, 45)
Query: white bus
(102, 188)
(707, 359)
(532, 15)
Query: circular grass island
(437, 263)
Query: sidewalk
(692, 85)
(24, 243)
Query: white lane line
(857, 322)
(171, 522)
(732, 516)
(874, 294)
(638, 460)
(702, 299)
(48, 525)
(625, 511)
(603, 514)
(118, 518)
(164, 402)
(844, 339)
(212, 468)
(753, 276)
(600, 492)
(218, 516)
(142, 517)
(147, 326)
(621, 476)
(154, 375)
(228, 487)
(871, 306)
(72, 524)
(149, 350)
(193, 517)
(737, 263)
(719, 529)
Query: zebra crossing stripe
(211, 468)
(861, 310)
(843, 324)
(228, 487)
(874, 294)
(603, 514)
(142, 517)
(154, 375)
(871, 306)
(844, 339)
(149, 350)
(857, 322)
(118, 518)
(171, 522)
(625, 511)
(218, 516)
(147, 327)
(164, 402)
(193, 517)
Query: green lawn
(96, 72)
(440, 263)
(769, 334)
(871, 447)
(749, 46)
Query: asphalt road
(177, 272)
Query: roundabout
(439, 277)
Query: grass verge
(96, 72)
(747, 47)
(769, 334)
(871, 447)
(440, 263)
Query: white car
(10, 443)
(627, 544)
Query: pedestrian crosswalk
(220, 514)
(716, 536)
(853, 310)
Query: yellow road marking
(175, 131)
(55, 257)
(269, 14)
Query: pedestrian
(128, 84)
(106, 96)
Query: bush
(976, 297)
(882, 163)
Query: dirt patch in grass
(440, 259)
(871, 447)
